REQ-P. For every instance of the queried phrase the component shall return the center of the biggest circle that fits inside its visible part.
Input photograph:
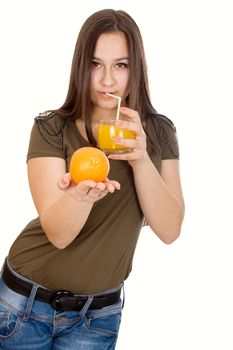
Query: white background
(178, 296)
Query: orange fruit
(89, 163)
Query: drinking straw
(119, 104)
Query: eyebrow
(115, 59)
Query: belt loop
(86, 306)
(30, 303)
(123, 301)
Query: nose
(107, 78)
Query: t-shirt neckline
(78, 133)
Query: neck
(99, 113)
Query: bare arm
(63, 206)
(160, 196)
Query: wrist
(71, 198)
(140, 163)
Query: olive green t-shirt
(101, 256)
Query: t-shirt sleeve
(46, 138)
(168, 138)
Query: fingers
(132, 114)
(133, 126)
(105, 187)
(95, 191)
(99, 190)
(64, 181)
(84, 187)
(131, 143)
(112, 184)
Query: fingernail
(119, 122)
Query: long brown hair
(78, 103)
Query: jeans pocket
(9, 322)
(105, 321)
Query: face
(110, 73)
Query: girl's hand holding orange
(139, 153)
(87, 179)
(87, 190)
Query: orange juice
(107, 131)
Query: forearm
(161, 207)
(63, 221)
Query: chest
(82, 130)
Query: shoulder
(45, 115)
(159, 121)
(165, 122)
(48, 127)
(161, 126)
(165, 132)
(50, 120)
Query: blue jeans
(26, 323)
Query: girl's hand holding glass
(138, 152)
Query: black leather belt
(61, 300)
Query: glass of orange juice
(107, 131)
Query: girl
(61, 283)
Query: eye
(95, 64)
(122, 65)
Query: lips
(104, 93)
